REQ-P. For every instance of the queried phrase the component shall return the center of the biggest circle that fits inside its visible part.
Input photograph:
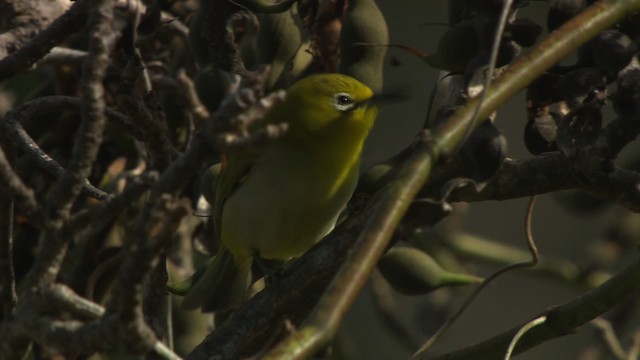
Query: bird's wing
(236, 166)
(235, 170)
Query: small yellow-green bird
(278, 202)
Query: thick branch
(521, 178)
(22, 20)
(551, 172)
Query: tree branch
(22, 59)
(13, 134)
(551, 172)
(21, 20)
(114, 205)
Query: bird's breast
(289, 200)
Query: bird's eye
(343, 102)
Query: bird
(277, 202)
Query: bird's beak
(386, 98)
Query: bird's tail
(220, 284)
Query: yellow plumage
(277, 203)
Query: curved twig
(523, 330)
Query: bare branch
(236, 113)
(230, 126)
(103, 333)
(189, 90)
(63, 55)
(151, 237)
(17, 134)
(21, 20)
(51, 251)
(114, 205)
(142, 107)
(61, 298)
(22, 59)
(123, 321)
(40, 107)
(551, 172)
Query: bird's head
(328, 103)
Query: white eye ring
(343, 102)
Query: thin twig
(171, 22)
(475, 247)
(493, 59)
(64, 56)
(136, 187)
(523, 330)
(97, 273)
(61, 298)
(195, 106)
